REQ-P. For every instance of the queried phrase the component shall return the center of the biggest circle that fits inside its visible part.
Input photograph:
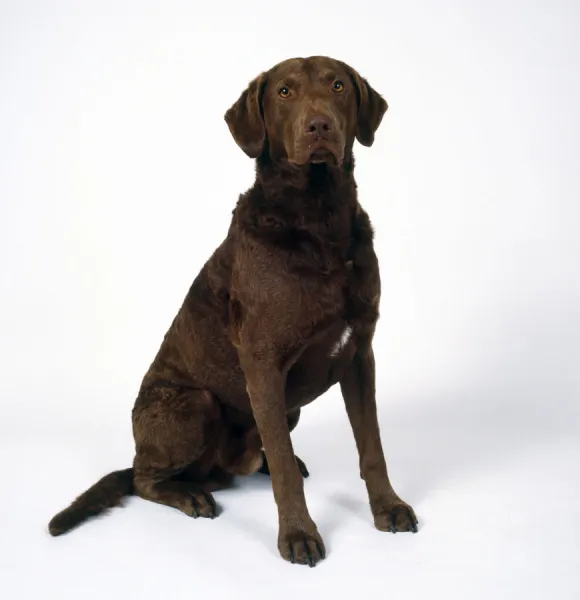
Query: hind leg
(176, 432)
(293, 418)
(193, 500)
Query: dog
(285, 308)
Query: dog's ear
(371, 109)
(245, 120)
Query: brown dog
(285, 308)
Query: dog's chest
(340, 344)
(321, 365)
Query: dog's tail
(106, 493)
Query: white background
(117, 180)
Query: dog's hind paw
(203, 505)
(266, 470)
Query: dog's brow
(327, 75)
(291, 79)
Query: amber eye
(283, 92)
(338, 87)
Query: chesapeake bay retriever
(285, 308)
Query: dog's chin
(322, 155)
(317, 156)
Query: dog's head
(306, 110)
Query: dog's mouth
(318, 153)
(322, 155)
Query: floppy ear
(245, 121)
(371, 109)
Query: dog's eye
(283, 92)
(338, 87)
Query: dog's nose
(318, 127)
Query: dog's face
(306, 110)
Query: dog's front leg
(358, 389)
(298, 538)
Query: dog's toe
(302, 548)
(398, 517)
(203, 505)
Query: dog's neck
(309, 186)
(300, 208)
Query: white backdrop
(117, 180)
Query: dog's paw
(398, 516)
(202, 505)
(266, 470)
(301, 548)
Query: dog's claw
(308, 554)
(212, 503)
(414, 528)
(195, 506)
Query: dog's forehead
(312, 68)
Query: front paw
(396, 516)
(300, 547)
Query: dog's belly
(319, 367)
